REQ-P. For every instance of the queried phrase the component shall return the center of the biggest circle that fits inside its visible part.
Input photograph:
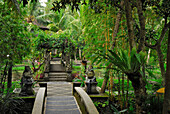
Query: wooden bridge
(60, 99)
(57, 96)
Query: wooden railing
(85, 103)
(39, 101)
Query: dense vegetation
(125, 40)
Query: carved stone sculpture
(91, 82)
(27, 82)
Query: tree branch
(163, 31)
(159, 41)
(142, 25)
(36, 69)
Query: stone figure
(91, 82)
(27, 82)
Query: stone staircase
(57, 70)
(57, 76)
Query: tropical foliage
(127, 39)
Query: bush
(15, 84)
(9, 104)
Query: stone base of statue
(46, 77)
(26, 89)
(69, 77)
(91, 88)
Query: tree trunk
(123, 95)
(75, 58)
(127, 93)
(80, 54)
(111, 86)
(9, 76)
(148, 57)
(142, 25)
(166, 105)
(3, 78)
(161, 63)
(104, 84)
(119, 92)
(128, 11)
(140, 91)
(116, 28)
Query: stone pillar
(47, 65)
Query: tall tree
(166, 105)
(161, 9)
(14, 39)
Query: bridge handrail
(87, 102)
(39, 101)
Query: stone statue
(27, 82)
(91, 82)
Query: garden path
(60, 99)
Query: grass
(18, 68)
(76, 67)
(149, 87)
(15, 84)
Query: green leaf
(150, 73)
(123, 110)
(95, 59)
(99, 61)
(114, 109)
(138, 57)
(103, 105)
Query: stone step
(57, 74)
(56, 59)
(59, 86)
(57, 79)
(50, 88)
(57, 68)
(55, 62)
(56, 83)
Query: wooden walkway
(60, 100)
